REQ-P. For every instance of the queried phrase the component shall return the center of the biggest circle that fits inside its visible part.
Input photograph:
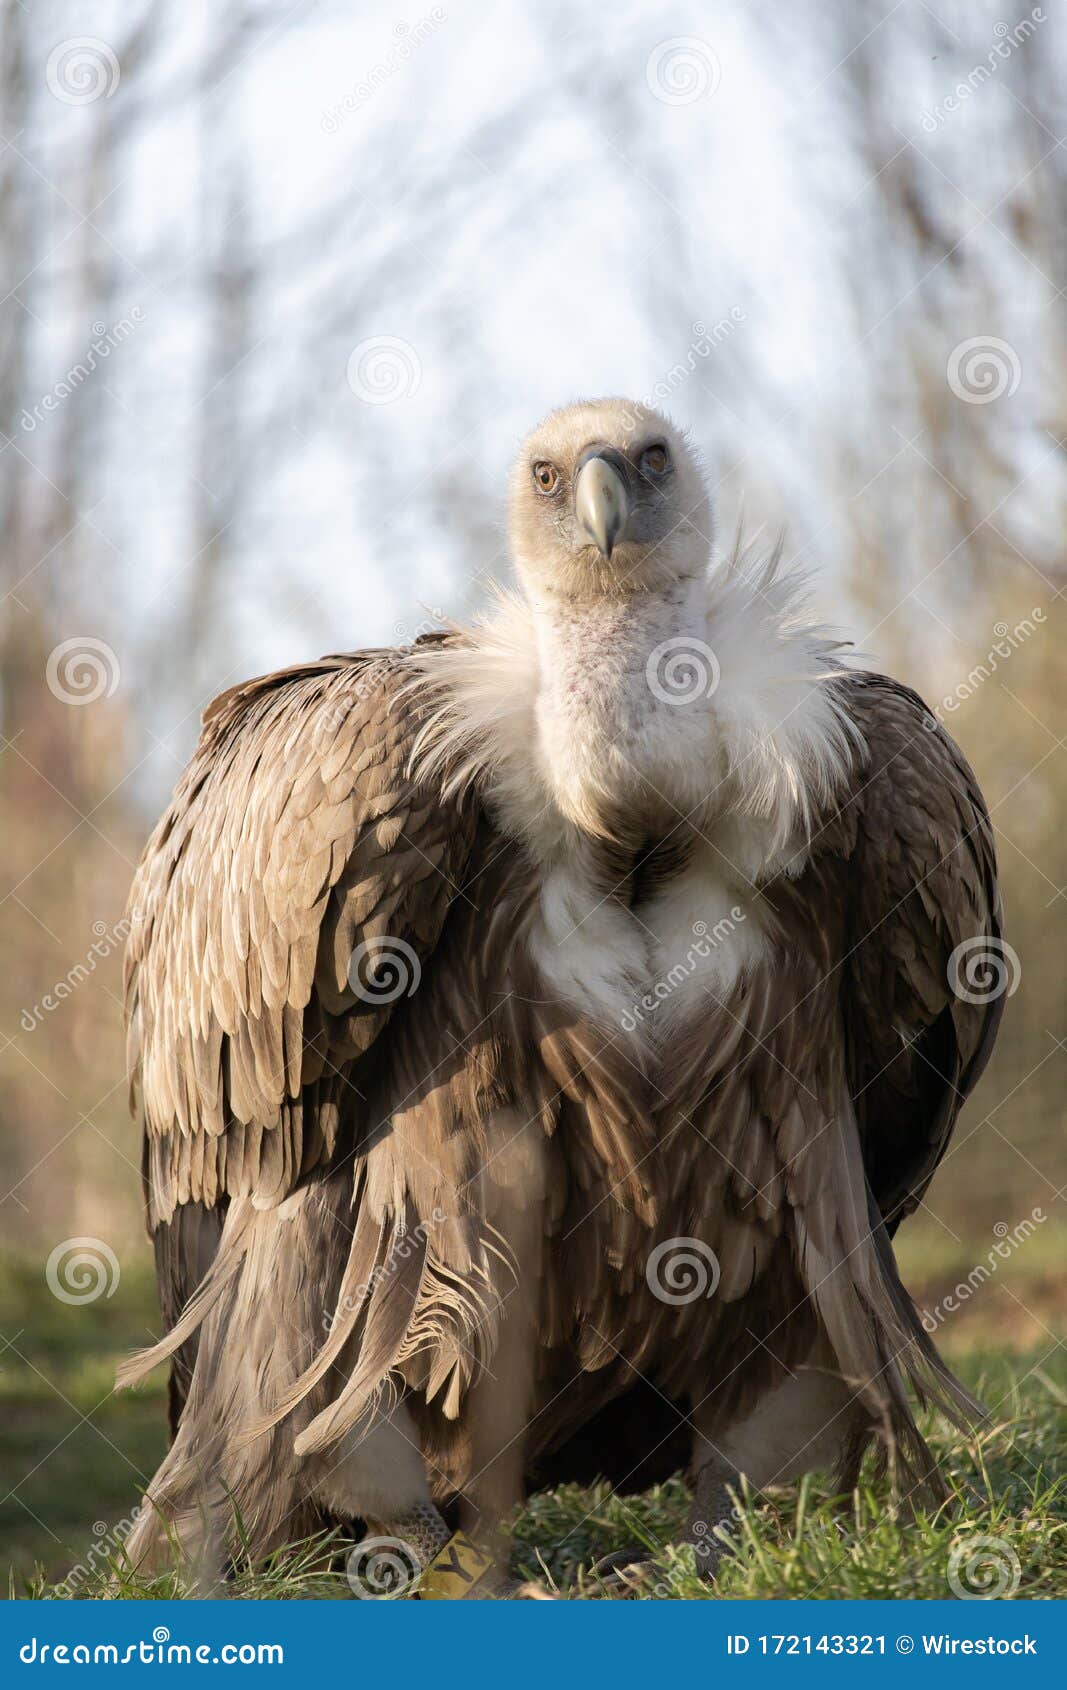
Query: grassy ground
(73, 1459)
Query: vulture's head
(607, 499)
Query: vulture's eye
(655, 460)
(546, 476)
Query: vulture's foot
(416, 1556)
(625, 1571)
(712, 1518)
(713, 1510)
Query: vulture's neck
(596, 651)
(707, 701)
(623, 710)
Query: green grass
(75, 1458)
(1010, 1484)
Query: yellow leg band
(454, 1571)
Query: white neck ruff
(706, 702)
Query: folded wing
(285, 904)
(926, 968)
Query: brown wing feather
(922, 880)
(295, 836)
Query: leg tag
(453, 1572)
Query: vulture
(539, 1032)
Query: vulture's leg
(811, 1420)
(500, 1403)
(713, 1479)
(377, 1475)
(712, 1508)
(375, 1472)
(807, 1421)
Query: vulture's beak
(601, 501)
